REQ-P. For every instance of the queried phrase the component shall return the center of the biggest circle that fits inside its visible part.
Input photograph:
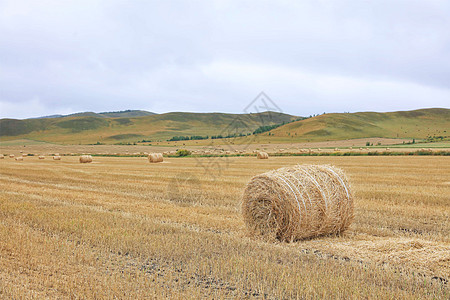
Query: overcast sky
(216, 56)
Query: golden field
(124, 228)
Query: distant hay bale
(227, 152)
(262, 155)
(360, 148)
(1, 156)
(56, 157)
(388, 149)
(19, 158)
(11, 156)
(336, 149)
(298, 202)
(85, 159)
(155, 157)
(41, 157)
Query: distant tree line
(260, 129)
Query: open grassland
(124, 228)
(218, 147)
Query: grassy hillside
(418, 124)
(88, 128)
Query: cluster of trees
(199, 137)
(187, 138)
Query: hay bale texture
(11, 156)
(262, 155)
(41, 157)
(155, 157)
(56, 157)
(19, 158)
(85, 159)
(299, 202)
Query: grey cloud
(310, 56)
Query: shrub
(183, 152)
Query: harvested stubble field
(121, 227)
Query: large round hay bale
(1, 156)
(11, 156)
(155, 157)
(262, 155)
(56, 157)
(298, 202)
(19, 158)
(41, 157)
(85, 159)
(24, 155)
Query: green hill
(107, 128)
(89, 128)
(418, 124)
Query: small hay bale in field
(56, 157)
(388, 149)
(155, 157)
(360, 148)
(262, 155)
(298, 202)
(11, 156)
(1, 156)
(227, 152)
(19, 158)
(85, 159)
(41, 157)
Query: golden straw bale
(11, 156)
(56, 157)
(41, 157)
(155, 157)
(1, 156)
(298, 202)
(19, 158)
(85, 159)
(262, 155)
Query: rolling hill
(114, 128)
(418, 124)
(89, 128)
